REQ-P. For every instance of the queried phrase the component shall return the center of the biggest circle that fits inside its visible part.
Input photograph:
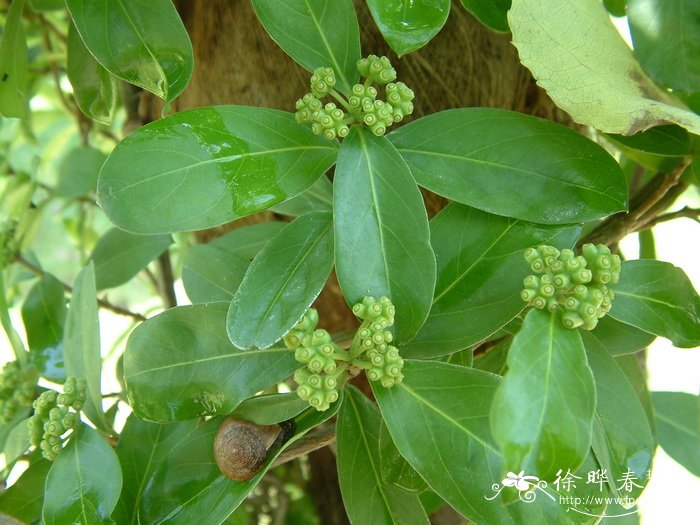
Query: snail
(241, 447)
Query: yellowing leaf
(575, 53)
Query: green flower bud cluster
(315, 348)
(54, 415)
(17, 387)
(326, 363)
(362, 106)
(382, 361)
(575, 285)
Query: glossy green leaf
(77, 491)
(448, 441)
(678, 426)
(367, 498)
(491, 13)
(620, 338)
(381, 231)
(395, 469)
(666, 141)
(140, 41)
(484, 158)
(142, 447)
(282, 282)
(637, 377)
(480, 275)
(211, 273)
(318, 197)
(204, 167)
(118, 256)
(81, 343)
(24, 499)
(666, 39)
(77, 173)
(407, 25)
(247, 241)
(315, 33)
(14, 64)
(185, 483)
(657, 297)
(543, 410)
(622, 439)
(269, 409)
(44, 313)
(563, 42)
(180, 364)
(94, 88)
(17, 442)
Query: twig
(167, 280)
(690, 213)
(645, 206)
(101, 302)
(310, 442)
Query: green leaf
(666, 38)
(17, 442)
(622, 439)
(201, 168)
(77, 491)
(484, 158)
(407, 25)
(367, 498)
(24, 499)
(318, 197)
(447, 439)
(269, 409)
(620, 338)
(543, 410)
(77, 173)
(480, 275)
(282, 282)
(381, 231)
(666, 141)
(575, 53)
(14, 64)
(247, 241)
(142, 447)
(657, 297)
(180, 364)
(678, 427)
(491, 13)
(637, 377)
(81, 343)
(94, 88)
(211, 273)
(186, 484)
(315, 33)
(395, 469)
(44, 313)
(140, 41)
(118, 256)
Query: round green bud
(561, 281)
(571, 320)
(540, 303)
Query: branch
(690, 213)
(310, 442)
(644, 207)
(167, 288)
(101, 302)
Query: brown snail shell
(240, 447)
